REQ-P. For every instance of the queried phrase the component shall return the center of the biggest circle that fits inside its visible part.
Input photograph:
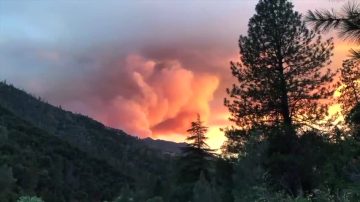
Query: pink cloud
(148, 97)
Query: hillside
(33, 161)
(117, 150)
(167, 147)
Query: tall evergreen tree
(204, 192)
(126, 195)
(196, 154)
(349, 85)
(195, 159)
(281, 76)
(346, 22)
(281, 80)
(7, 181)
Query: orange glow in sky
(147, 67)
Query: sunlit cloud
(146, 68)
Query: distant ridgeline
(62, 156)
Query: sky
(146, 67)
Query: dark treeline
(280, 147)
(283, 145)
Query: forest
(283, 144)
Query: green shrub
(29, 199)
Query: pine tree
(281, 76)
(203, 191)
(195, 159)
(249, 174)
(281, 80)
(197, 136)
(349, 86)
(223, 178)
(126, 195)
(7, 181)
(236, 139)
(6, 178)
(347, 23)
(196, 154)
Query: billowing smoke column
(146, 97)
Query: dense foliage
(62, 156)
(347, 23)
(276, 104)
(124, 153)
(194, 162)
(349, 87)
(116, 147)
(281, 76)
(35, 162)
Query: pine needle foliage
(346, 22)
(349, 86)
(282, 76)
(196, 155)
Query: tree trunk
(284, 108)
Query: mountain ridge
(169, 147)
(155, 144)
(36, 161)
(145, 163)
